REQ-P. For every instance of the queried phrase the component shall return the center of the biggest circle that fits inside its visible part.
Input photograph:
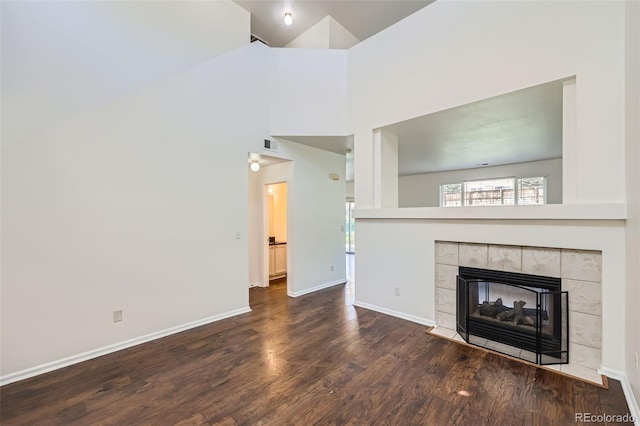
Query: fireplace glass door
(462, 308)
(522, 321)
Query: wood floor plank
(310, 360)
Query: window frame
(544, 188)
(516, 189)
(441, 202)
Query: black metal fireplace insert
(522, 315)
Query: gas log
(492, 309)
(518, 314)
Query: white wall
(316, 37)
(315, 240)
(120, 206)
(522, 44)
(326, 34)
(632, 336)
(61, 58)
(339, 36)
(401, 253)
(316, 216)
(493, 48)
(132, 207)
(423, 190)
(309, 92)
(256, 229)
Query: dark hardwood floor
(311, 360)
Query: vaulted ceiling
(363, 18)
(518, 127)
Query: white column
(363, 169)
(385, 169)
(569, 143)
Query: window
(532, 190)
(490, 192)
(494, 192)
(451, 195)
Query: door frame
(265, 230)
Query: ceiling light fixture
(288, 18)
(255, 166)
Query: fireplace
(507, 310)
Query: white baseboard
(396, 314)
(256, 284)
(628, 392)
(316, 288)
(74, 359)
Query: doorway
(276, 217)
(350, 228)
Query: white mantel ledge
(544, 212)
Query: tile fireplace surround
(581, 274)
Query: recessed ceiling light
(288, 18)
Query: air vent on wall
(270, 145)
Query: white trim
(276, 277)
(521, 212)
(396, 314)
(628, 391)
(74, 359)
(316, 288)
(256, 284)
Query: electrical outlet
(637, 366)
(117, 316)
(331, 268)
(396, 291)
(237, 235)
(342, 228)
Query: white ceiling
(265, 160)
(337, 144)
(516, 127)
(363, 18)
